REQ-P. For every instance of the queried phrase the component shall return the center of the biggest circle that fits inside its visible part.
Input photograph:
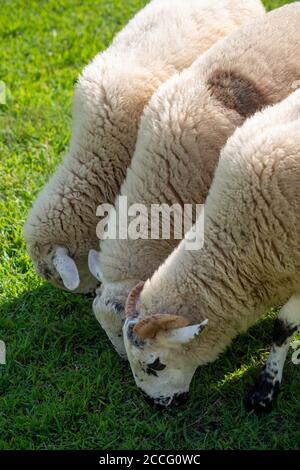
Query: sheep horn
(94, 265)
(132, 298)
(66, 268)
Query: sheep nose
(164, 402)
(152, 402)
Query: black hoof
(261, 397)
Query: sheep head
(56, 265)
(109, 304)
(158, 349)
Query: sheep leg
(262, 396)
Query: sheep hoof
(261, 397)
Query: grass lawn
(63, 386)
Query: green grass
(63, 386)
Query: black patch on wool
(282, 332)
(260, 398)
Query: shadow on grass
(56, 319)
(51, 313)
(65, 387)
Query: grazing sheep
(164, 38)
(183, 129)
(198, 301)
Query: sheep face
(109, 304)
(57, 267)
(109, 309)
(159, 355)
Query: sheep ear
(151, 326)
(94, 264)
(186, 334)
(67, 269)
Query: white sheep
(183, 130)
(198, 301)
(164, 38)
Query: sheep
(198, 301)
(164, 38)
(182, 131)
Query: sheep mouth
(162, 403)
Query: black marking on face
(153, 367)
(282, 332)
(148, 371)
(132, 337)
(261, 396)
(137, 377)
(156, 365)
(118, 306)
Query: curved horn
(67, 269)
(94, 264)
(132, 299)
